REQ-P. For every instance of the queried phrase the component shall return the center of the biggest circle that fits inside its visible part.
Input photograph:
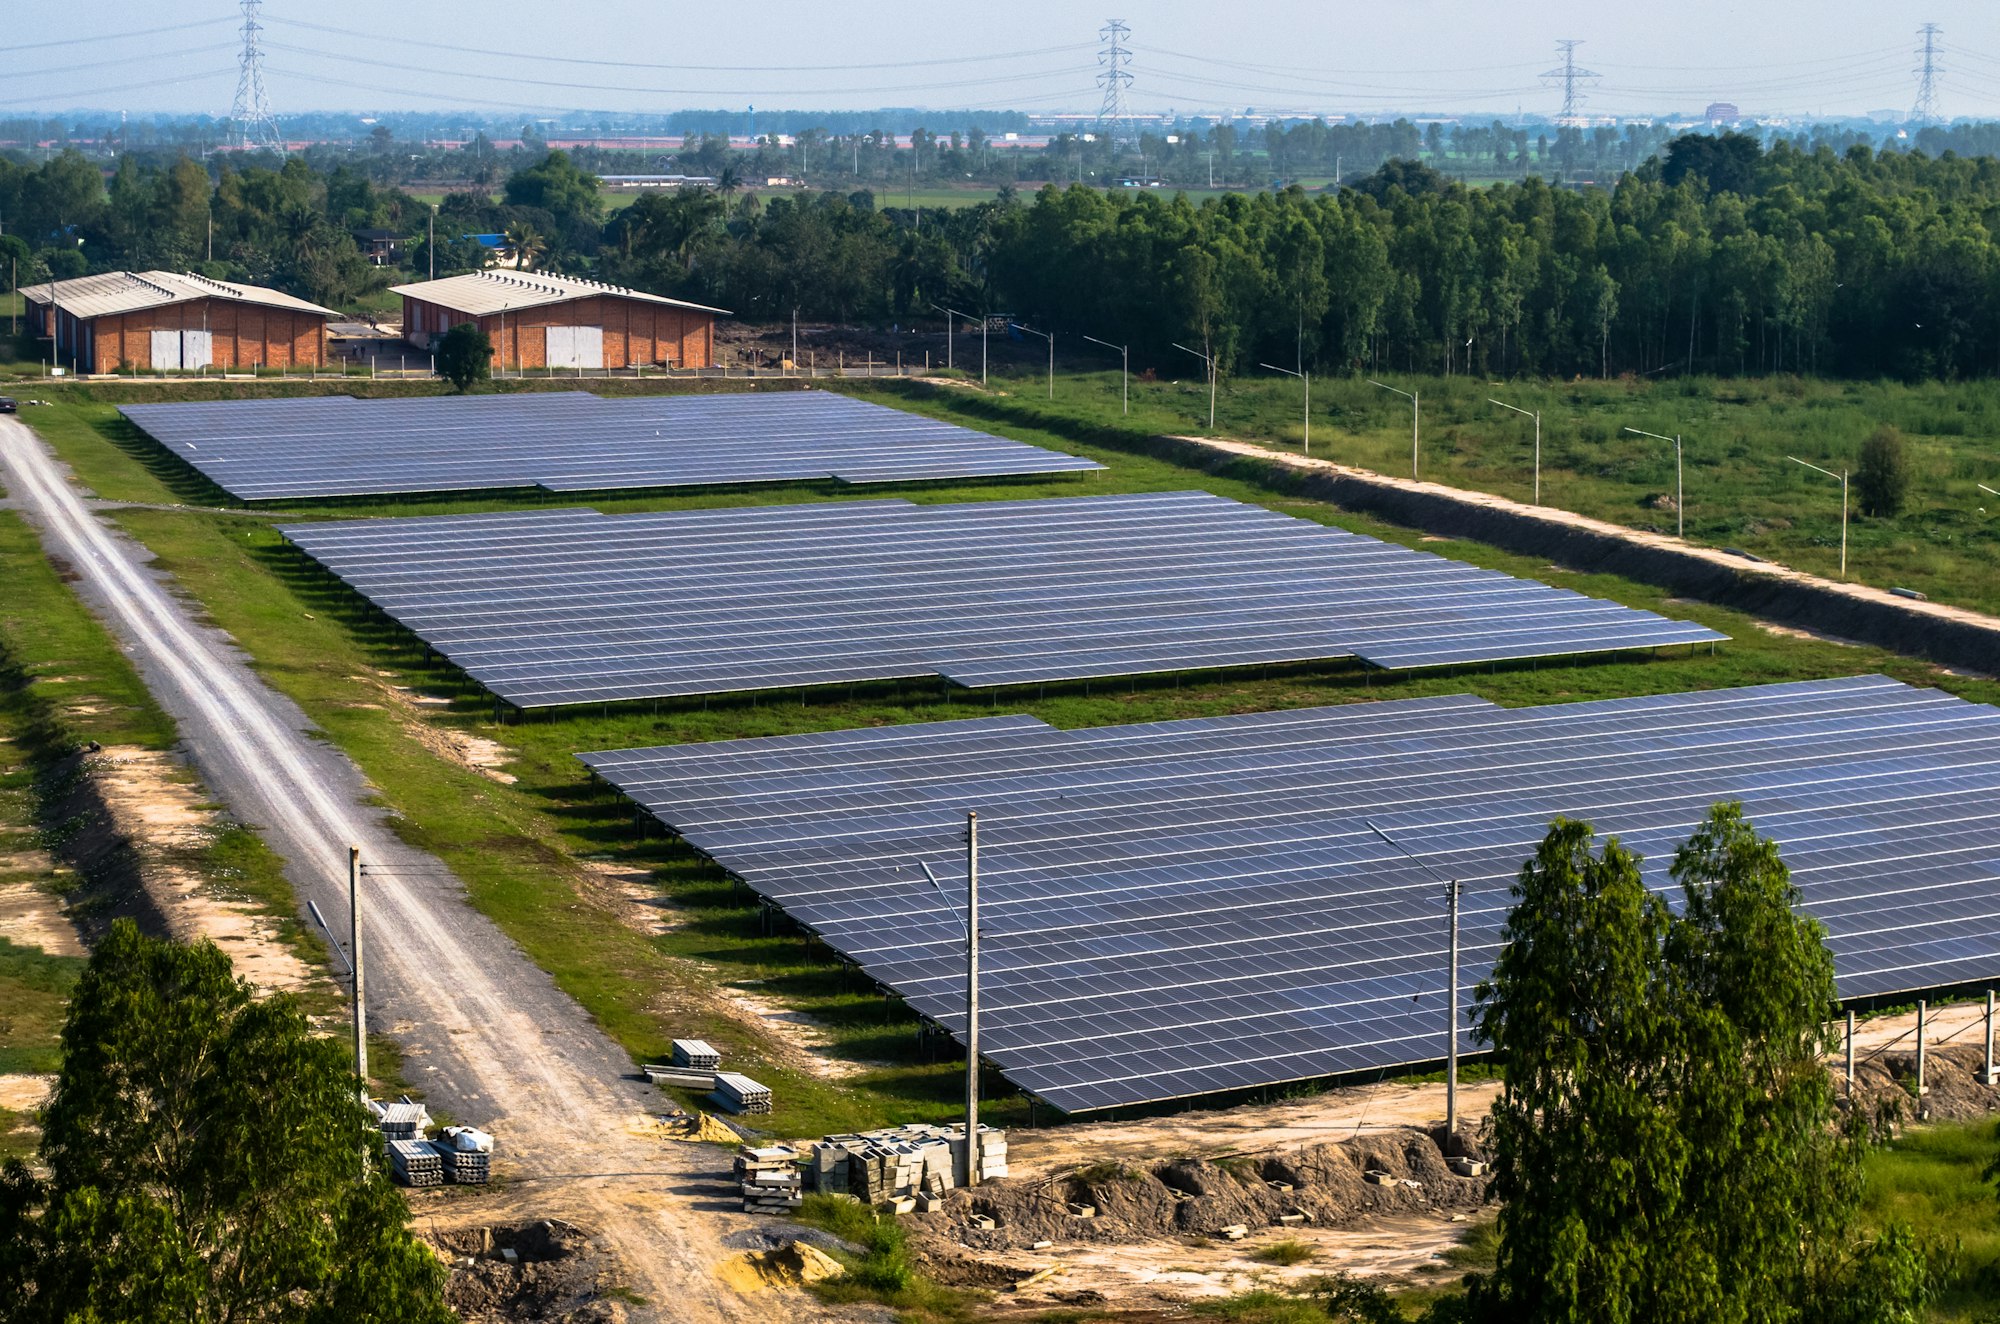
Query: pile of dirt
(545, 1271)
(1885, 1085)
(1324, 1185)
(795, 1264)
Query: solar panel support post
(1922, 1112)
(1850, 1053)
(1986, 1077)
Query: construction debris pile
(460, 1155)
(697, 1066)
(907, 1167)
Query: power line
(540, 57)
(1926, 109)
(148, 58)
(654, 89)
(45, 97)
(16, 47)
(251, 112)
(1571, 76)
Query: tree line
(1717, 256)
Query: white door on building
(196, 349)
(575, 346)
(166, 350)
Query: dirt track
(485, 1032)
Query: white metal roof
(478, 293)
(134, 291)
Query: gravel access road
(485, 1032)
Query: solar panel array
(1189, 907)
(332, 446)
(554, 607)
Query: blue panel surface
(1184, 908)
(332, 446)
(554, 607)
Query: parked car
(7, 405)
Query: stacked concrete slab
(914, 1164)
(770, 1179)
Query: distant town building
(629, 182)
(1722, 112)
(379, 246)
(174, 321)
(537, 319)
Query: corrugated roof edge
(540, 288)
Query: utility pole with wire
(1572, 79)
(1451, 895)
(251, 113)
(360, 984)
(1927, 71)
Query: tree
(522, 245)
(203, 1149)
(1882, 480)
(465, 356)
(1666, 1148)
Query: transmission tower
(253, 126)
(1114, 59)
(1926, 109)
(1572, 81)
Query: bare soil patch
(29, 915)
(158, 808)
(25, 1093)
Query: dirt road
(485, 1032)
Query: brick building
(164, 320)
(538, 320)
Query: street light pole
(1124, 372)
(1302, 376)
(1050, 337)
(1416, 418)
(949, 338)
(1535, 414)
(1842, 476)
(1208, 362)
(1451, 893)
(1680, 501)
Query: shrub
(1883, 479)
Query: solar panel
(1183, 908)
(333, 446)
(555, 607)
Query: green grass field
(533, 851)
(1741, 490)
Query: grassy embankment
(536, 852)
(1741, 490)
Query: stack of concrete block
(416, 1163)
(918, 1163)
(696, 1055)
(401, 1121)
(467, 1155)
(770, 1179)
(738, 1093)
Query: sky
(1779, 58)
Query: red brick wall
(241, 335)
(635, 331)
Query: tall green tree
(204, 1156)
(1667, 1147)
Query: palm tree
(729, 180)
(522, 245)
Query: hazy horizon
(1444, 56)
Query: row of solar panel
(1186, 907)
(547, 608)
(326, 446)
